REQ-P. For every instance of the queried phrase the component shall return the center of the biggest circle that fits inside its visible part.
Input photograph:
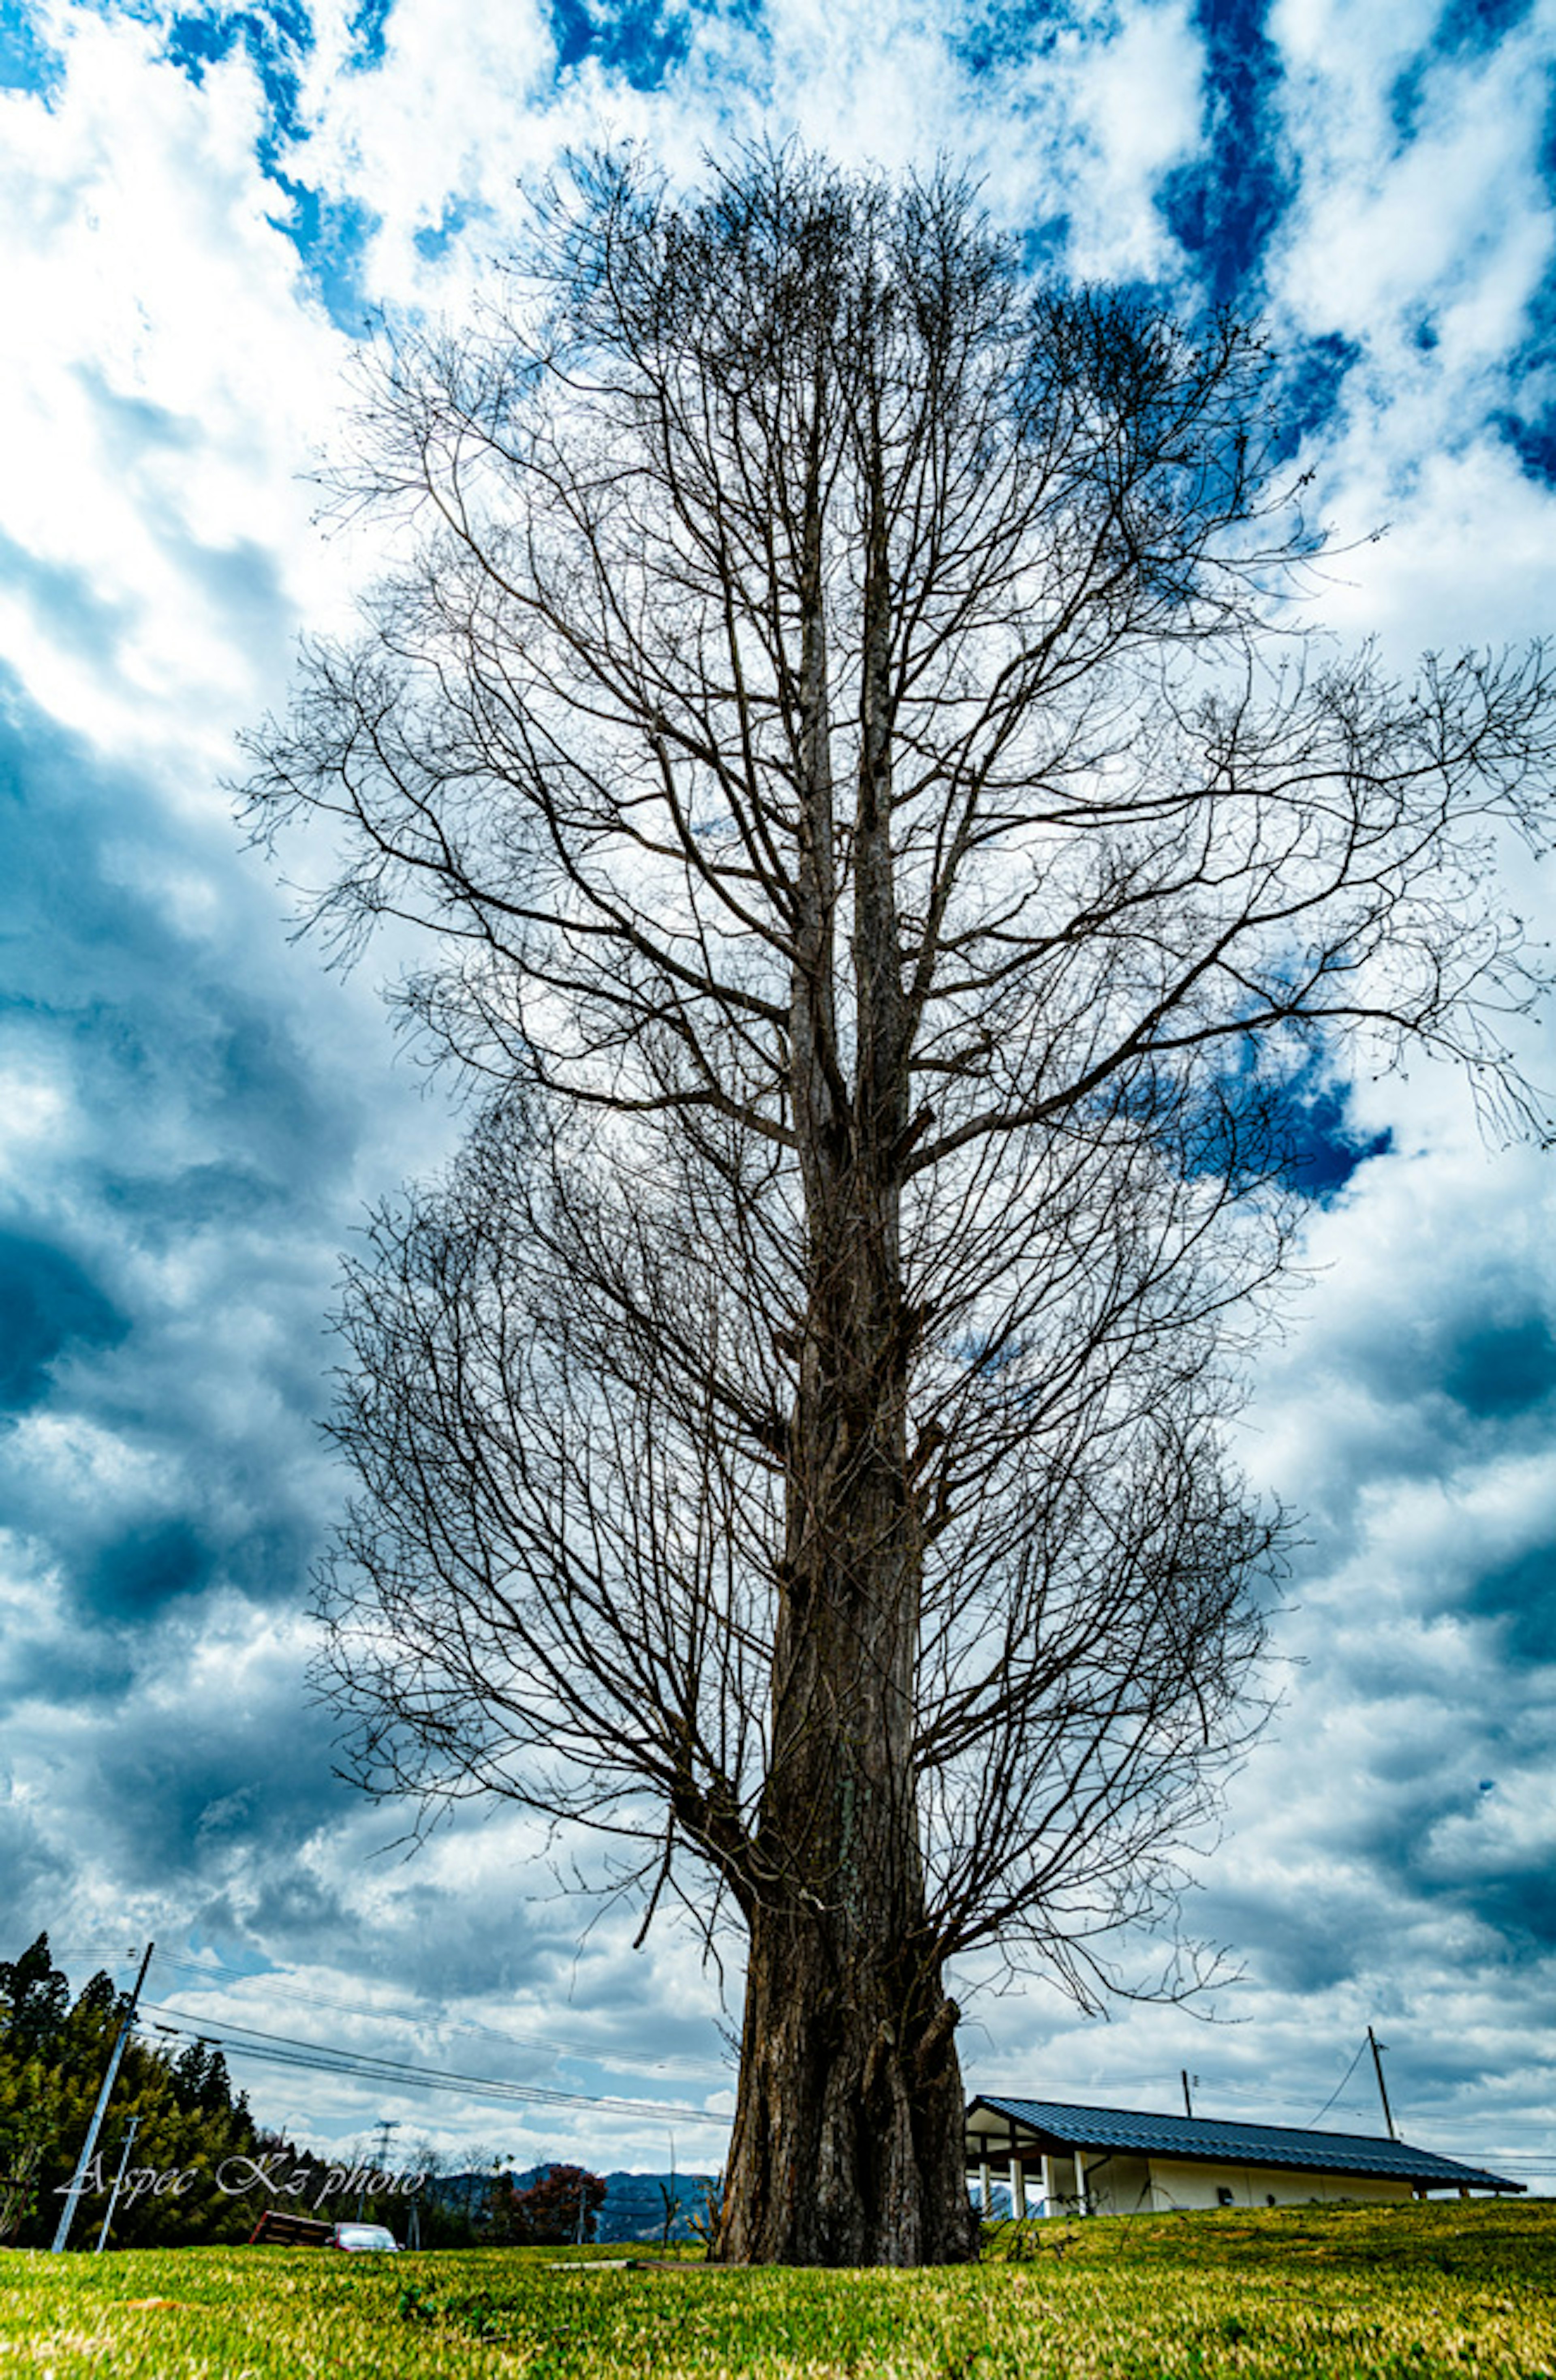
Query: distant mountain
(634, 2204)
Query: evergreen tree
(54, 2053)
(33, 1999)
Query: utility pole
(118, 2180)
(77, 2180)
(386, 2125)
(1187, 2102)
(1377, 2048)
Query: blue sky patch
(1299, 1132)
(433, 240)
(47, 1304)
(275, 38)
(1311, 390)
(27, 62)
(329, 233)
(1322, 1147)
(1224, 208)
(639, 40)
(992, 37)
(1466, 29)
(331, 237)
(1043, 243)
(369, 37)
(1473, 28)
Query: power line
(281, 2049)
(284, 2050)
(463, 2087)
(200, 1971)
(1491, 2121)
(197, 1970)
(1338, 2087)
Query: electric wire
(281, 2049)
(1339, 2086)
(200, 1971)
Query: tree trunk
(848, 2138)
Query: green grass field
(1410, 2292)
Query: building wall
(1128, 2185)
(1185, 2183)
(1115, 2184)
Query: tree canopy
(892, 864)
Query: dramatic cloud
(202, 206)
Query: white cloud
(34, 1117)
(1140, 101)
(449, 119)
(153, 423)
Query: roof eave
(1049, 2143)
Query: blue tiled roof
(1232, 2144)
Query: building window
(1222, 2195)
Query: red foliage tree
(562, 2206)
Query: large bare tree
(888, 858)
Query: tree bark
(848, 2140)
(848, 2137)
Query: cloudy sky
(198, 210)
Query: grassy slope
(1418, 2293)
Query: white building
(1064, 2160)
